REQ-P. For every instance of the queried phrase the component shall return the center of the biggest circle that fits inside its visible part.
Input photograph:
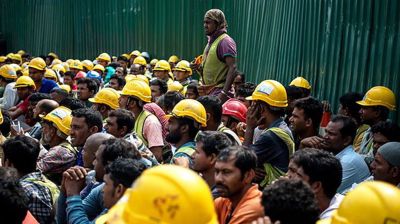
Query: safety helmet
(16, 67)
(69, 61)
(25, 72)
(173, 59)
(8, 72)
(87, 64)
(153, 62)
(24, 81)
(183, 198)
(137, 77)
(53, 55)
(162, 65)
(59, 68)
(183, 66)
(93, 75)
(38, 64)
(379, 96)
(107, 96)
(139, 89)
(192, 109)
(140, 61)
(61, 118)
(21, 52)
(236, 109)
(99, 67)
(104, 57)
(3, 58)
(146, 55)
(272, 92)
(126, 56)
(76, 64)
(370, 202)
(65, 65)
(51, 74)
(175, 86)
(300, 82)
(16, 57)
(66, 87)
(135, 53)
(55, 62)
(80, 75)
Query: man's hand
(312, 142)
(181, 161)
(265, 220)
(73, 180)
(252, 118)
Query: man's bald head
(44, 107)
(91, 145)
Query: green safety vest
(272, 173)
(54, 191)
(139, 124)
(214, 70)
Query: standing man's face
(210, 26)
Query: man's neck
(184, 139)
(209, 177)
(56, 141)
(235, 199)
(213, 126)
(307, 133)
(136, 112)
(323, 202)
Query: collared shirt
(333, 205)
(227, 46)
(354, 169)
(47, 86)
(247, 210)
(40, 197)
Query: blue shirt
(47, 86)
(354, 169)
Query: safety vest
(214, 70)
(54, 191)
(272, 173)
(69, 147)
(139, 124)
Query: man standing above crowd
(219, 57)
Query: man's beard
(172, 137)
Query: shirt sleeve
(227, 47)
(153, 131)
(93, 203)
(75, 211)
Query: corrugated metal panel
(338, 45)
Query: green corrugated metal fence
(338, 45)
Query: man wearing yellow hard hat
(105, 101)
(103, 59)
(173, 60)
(25, 87)
(7, 75)
(37, 68)
(182, 73)
(162, 71)
(139, 66)
(50, 58)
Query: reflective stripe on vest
(54, 191)
(139, 124)
(214, 70)
(69, 147)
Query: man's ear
(395, 172)
(309, 122)
(94, 129)
(317, 187)
(184, 128)
(249, 176)
(119, 190)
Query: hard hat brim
(363, 103)
(325, 221)
(249, 98)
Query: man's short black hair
(114, 65)
(294, 93)
(122, 58)
(22, 152)
(170, 99)
(245, 159)
(36, 97)
(90, 84)
(213, 105)
(349, 126)
(123, 118)
(125, 171)
(349, 102)
(290, 202)
(312, 109)
(213, 141)
(322, 166)
(92, 117)
(70, 74)
(118, 148)
(161, 84)
(193, 129)
(121, 81)
(193, 86)
(72, 103)
(246, 89)
(388, 129)
(13, 201)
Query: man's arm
(231, 62)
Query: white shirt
(333, 205)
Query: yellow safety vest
(139, 124)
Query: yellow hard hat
(300, 82)
(162, 65)
(53, 55)
(25, 81)
(8, 72)
(183, 66)
(76, 64)
(175, 86)
(183, 198)
(136, 53)
(99, 67)
(3, 58)
(16, 57)
(88, 65)
(154, 61)
(379, 96)
(369, 203)
(38, 64)
(104, 57)
(140, 61)
(21, 52)
(61, 118)
(66, 66)
(272, 92)
(25, 72)
(127, 56)
(173, 59)
(65, 87)
(59, 68)
(16, 67)
(51, 74)
(192, 109)
(69, 61)
(55, 62)
(137, 77)
(107, 96)
(138, 89)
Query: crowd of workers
(133, 139)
